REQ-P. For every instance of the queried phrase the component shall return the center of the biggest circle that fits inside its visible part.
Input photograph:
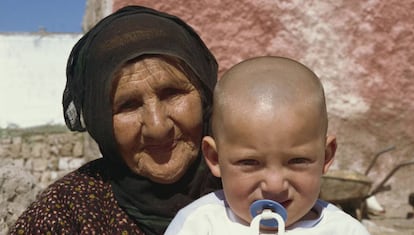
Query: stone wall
(33, 158)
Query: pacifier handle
(268, 213)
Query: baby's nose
(274, 182)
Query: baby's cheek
(239, 198)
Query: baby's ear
(208, 146)
(330, 149)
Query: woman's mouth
(160, 148)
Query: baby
(269, 141)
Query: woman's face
(157, 118)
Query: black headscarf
(128, 33)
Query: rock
(18, 189)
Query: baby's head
(269, 140)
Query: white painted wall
(32, 77)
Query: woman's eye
(127, 106)
(169, 93)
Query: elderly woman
(140, 82)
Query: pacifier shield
(258, 206)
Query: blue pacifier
(258, 208)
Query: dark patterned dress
(82, 202)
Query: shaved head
(269, 86)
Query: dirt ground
(390, 226)
(398, 218)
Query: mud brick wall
(362, 51)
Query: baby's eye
(248, 162)
(299, 160)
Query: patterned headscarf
(126, 34)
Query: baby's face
(278, 157)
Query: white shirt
(211, 215)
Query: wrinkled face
(277, 157)
(157, 119)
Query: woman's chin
(163, 179)
(166, 171)
(162, 174)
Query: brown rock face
(363, 52)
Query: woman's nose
(156, 122)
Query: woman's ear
(330, 149)
(208, 146)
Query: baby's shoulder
(334, 219)
(200, 215)
(211, 200)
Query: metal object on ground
(349, 189)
